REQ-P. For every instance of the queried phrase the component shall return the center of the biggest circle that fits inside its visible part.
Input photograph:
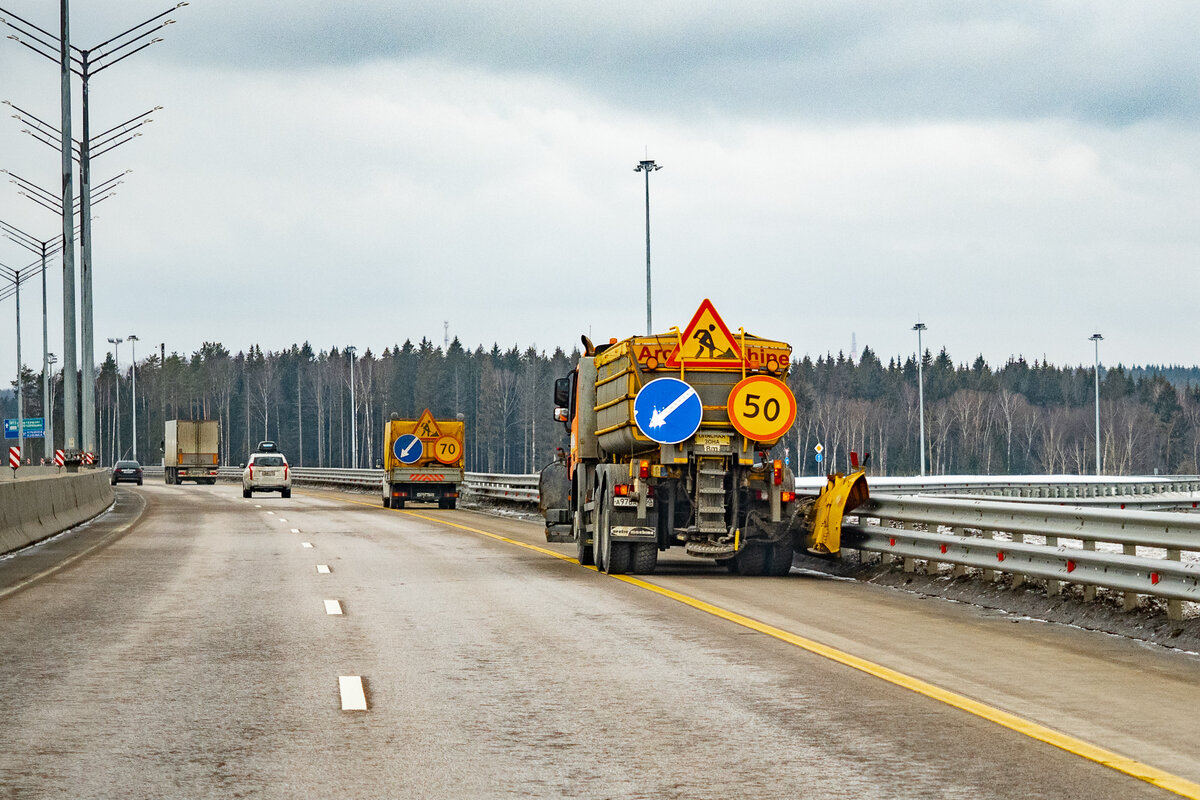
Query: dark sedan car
(127, 471)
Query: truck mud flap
(842, 494)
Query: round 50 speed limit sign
(447, 450)
(762, 408)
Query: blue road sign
(35, 428)
(819, 457)
(408, 449)
(668, 410)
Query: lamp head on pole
(1095, 337)
(646, 166)
(920, 326)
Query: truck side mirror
(560, 414)
(562, 393)
(379, 463)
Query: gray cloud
(1110, 63)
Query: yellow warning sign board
(426, 427)
(705, 342)
(762, 408)
(447, 450)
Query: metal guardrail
(514, 488)
(1135, 552)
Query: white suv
(267, 472)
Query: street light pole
(70, 340)
(1096, 339)
(920, 326)
(647, 167)
(353, 415)
(16, 277)
(117, 427)
(44, 249)
(132, 339)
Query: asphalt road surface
(191, 648)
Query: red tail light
(787, 497)
(251, 472)
(644, 469)
(285, 472)
(777, 472)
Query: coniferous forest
(1018, 418)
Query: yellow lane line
(1078, 747)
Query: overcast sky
(1015, 175)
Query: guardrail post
(1129, 599)
(989, 575)
(1089, 591)
(1018, 579)
(1174, 605)
(1053, 588)
(958, 570)
(910, 564)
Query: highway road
(192, 647)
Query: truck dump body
(191, 450)
(423, 459)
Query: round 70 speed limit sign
(762, 408)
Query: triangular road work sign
(706, 341)
(426, 427)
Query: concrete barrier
(38, 507)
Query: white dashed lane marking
(306, 544)
(269, 512)
(333, 608)
(295, 530)
(323, 569)
(353, 696)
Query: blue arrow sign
(408, 449)
(667, 410)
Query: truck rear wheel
(583, 550)
(387, 501)
(645, 558)
(615, 556)
(779, 558)
(751, 559)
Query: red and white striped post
(14, 459)
(59, 458)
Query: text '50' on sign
(762, 408)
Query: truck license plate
(629, 502)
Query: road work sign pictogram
(706, 341)
(426, 426)
(667, 410)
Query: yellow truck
(423, 460)
(670, 436)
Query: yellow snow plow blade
(843, 493)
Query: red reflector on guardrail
(1000, 556)
(1154, 578)
(1070, 566)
